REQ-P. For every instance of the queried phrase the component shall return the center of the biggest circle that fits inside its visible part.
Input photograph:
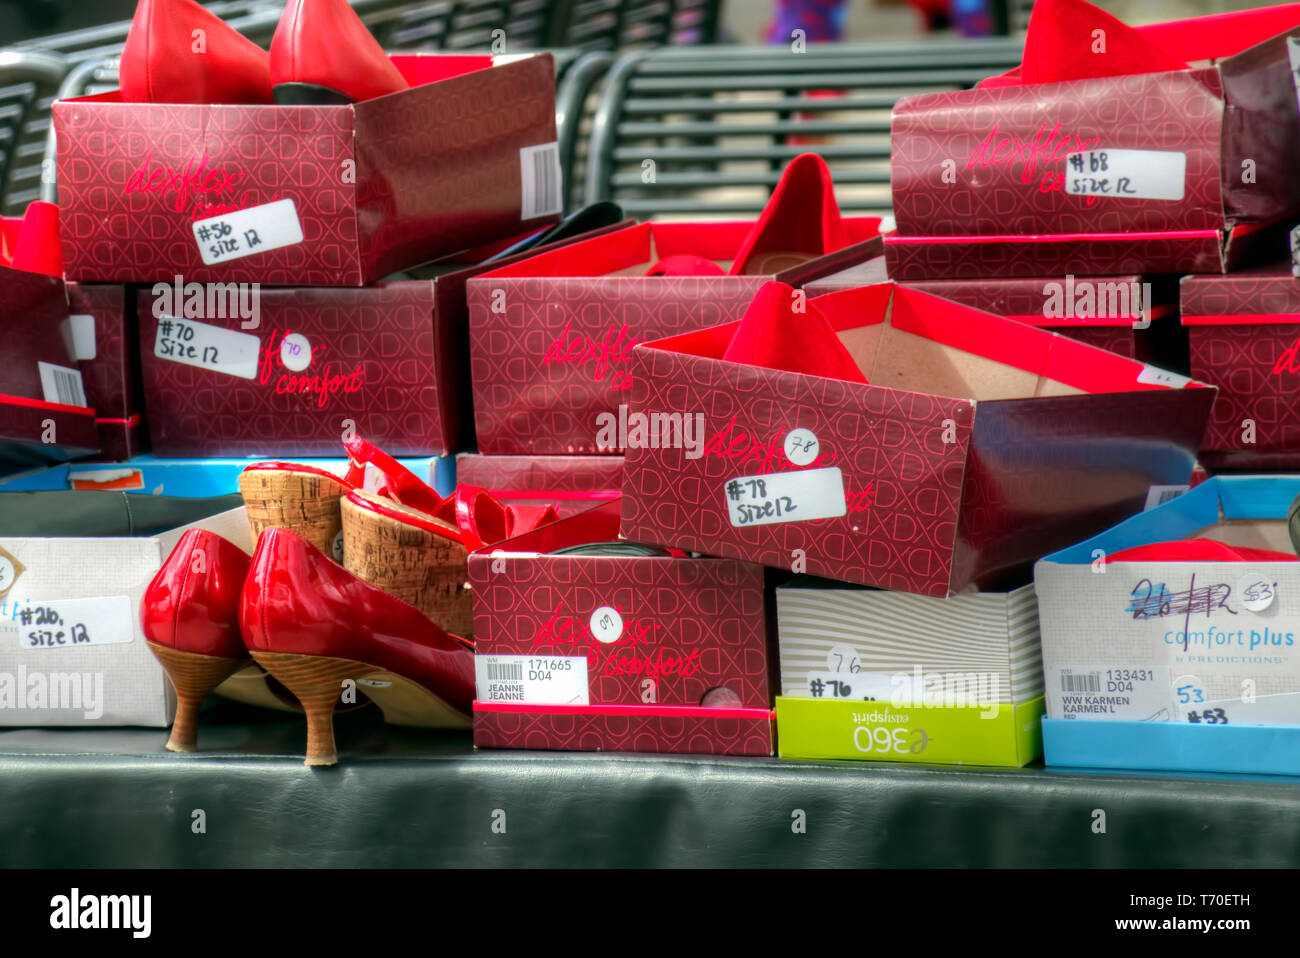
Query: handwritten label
(785, 497)
(801, 446)
(606, 624)
(532, 679)
(1282, 709)
(68, 623)
(1126, 174)
(1256, 591)
(1152, 376)
(295, 352)
(207, 347)
(258, 229)
(861, 687)
(1107, 692)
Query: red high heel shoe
(177, 52)
(35, 244)
(773, 335)
(322, 53)
(313, 625)
(190, 618)
(801, 221)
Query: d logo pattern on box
(886, 441)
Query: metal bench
(706, 131)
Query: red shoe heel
(323, 54)
(313, 625)
(190, 619)
(178, 52)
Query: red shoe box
(551, 338)
(617, 653)
(338, 195)
(980, 445)
(108, 354)
(1109, 312)
(571, 484)
(983, 183)
(386, 361)
(1244, 337)
(45, 416)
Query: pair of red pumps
(178, 52)
(319, 628)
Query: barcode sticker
(61, 385)
(1126, 174)
(69, 623)
(257, 229)
(785, 497)
(1101, 692)
(541, 178)
(207, 347)
(1159, 495)
(532, 679)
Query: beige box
(71, 648)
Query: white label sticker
(541, 181)
(8, 573)
(1293, 54)
(858, 686)
(68, 623)
(207, 347)
(336, 547)
(295, 352)
(1257, 591)
(606, 624)
(82, 328)
(532, 679)
(801, 446)
(1283, 709)
(257, 229)
(61, 384)
(1119, 694)
(785, 497)
(1152, 376)
(1126, 174)
(1159, 495)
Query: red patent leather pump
(315, 626)
(322, 53)
(190, 618)
(178, 52)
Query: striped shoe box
(883, 644)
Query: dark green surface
(401, 797)
(97, 513)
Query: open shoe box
(979, 445)
(551, 338)
(1189, 666)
